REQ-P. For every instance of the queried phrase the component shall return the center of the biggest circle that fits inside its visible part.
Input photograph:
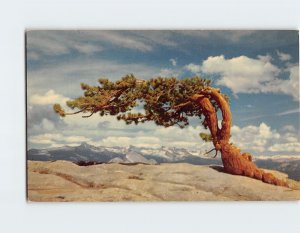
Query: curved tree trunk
(234, 161)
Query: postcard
(162, 115)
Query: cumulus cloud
(289, 128)
(157, 137)
(193, 68)
(110, 132)
(265, 58)
(149, 135)
(47, 125)
(254, 138)
(103, 125)
(42, 118)
(290, 137)
(241, 74)
(248, 75)
(283, 56)
(288, 86)
(50, 130)
(285, 147)
(169, 73)
(57, 138)
(50, 97)
(173, 61)
(261, 139)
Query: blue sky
(259, 70)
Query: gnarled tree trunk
(234, 161)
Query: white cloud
(289, 138)
(241, 74)
(173, 61)
(193, 68)
(44, 138)
(47, 125)
(289, 128)
(169, 73)
(265, 58)
(76, 139)
(283, 56)
(288, 86)
(254, 138)
(117, 133)
(156, 137)
(262, 138)
(285, 147)
(247, 75)
(50, 97)
(57, 138)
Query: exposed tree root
(241, 164)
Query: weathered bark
(234, 161)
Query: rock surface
(65, 181)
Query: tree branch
(72, 113)
(214, 149)
(88, 115)
(210, 115)
(207, 152)
(215, 94)
(180, 106)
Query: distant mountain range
(86, 153)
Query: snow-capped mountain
(83, 152)
(87, 153)
(133, 157)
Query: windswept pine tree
(169, 102)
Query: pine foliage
(166, 101)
